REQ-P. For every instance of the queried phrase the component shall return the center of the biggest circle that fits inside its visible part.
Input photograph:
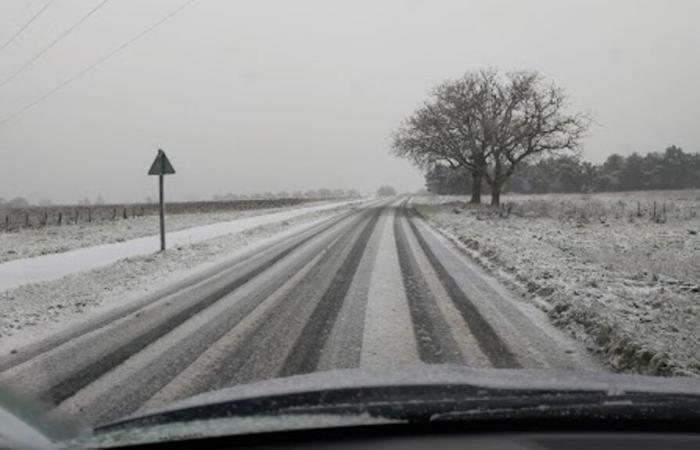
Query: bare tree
(529, 119)
(446, 129)
(488, 123)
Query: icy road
(375, 287)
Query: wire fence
(41, 216)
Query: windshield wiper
(430, 403)
(625, 406)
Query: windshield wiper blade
(621, 407)
(420, 403)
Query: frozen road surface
(375, 287)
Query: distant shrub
(386, 191)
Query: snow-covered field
(38, 308)
(605, 268)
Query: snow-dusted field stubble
(620, 272)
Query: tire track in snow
(464, 338)
(489, 341)
(144, 326)
(306, 353)
(432, 333)
(129, 385)
(257, 349)
(524, 328)
(343, 349)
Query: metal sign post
(161, 166)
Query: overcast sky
(248, 96)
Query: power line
(52, 43)
(109, 55)
(26, 25)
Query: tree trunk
(495, 195)
(476, 188)
(497, 183)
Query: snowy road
(373, 287)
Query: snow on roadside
(34, 310)
(54, 266)
(31, 242)
(599, 280)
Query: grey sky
(258, 95)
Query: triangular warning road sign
(161, 166)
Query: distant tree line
(671, 169)
(17, 202)
(21, 202)
(310, 194)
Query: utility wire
(51, 44)
(26, 25)
(109, 55)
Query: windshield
(207, 196)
